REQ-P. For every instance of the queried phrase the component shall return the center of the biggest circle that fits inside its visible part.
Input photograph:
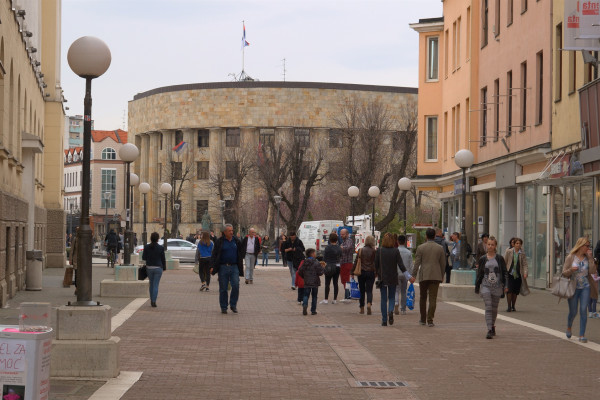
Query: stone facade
(31, 124)
(156, 117)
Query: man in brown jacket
(430, 263)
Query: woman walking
(366, 255)
(154, 255)
(579, 265)
(265, 247)
(491, 278)
(516, 263)
(332, 256)
(387, 262)
(205, 248)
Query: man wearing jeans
(429, 267)
(251, 247)
(227, 260)
(294, 254)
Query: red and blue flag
(179, 147)
(244, 41)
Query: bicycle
(111, 257)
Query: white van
(315, 234)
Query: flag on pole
(244, 42)
(179, 147)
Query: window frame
(232, 169)
(266, 137)
(336, 139)
(429, 76)
(107, 186)
(203, 166)
(108, 151)
(203, 136)
(200, 210)
(233, 137)
(428, 136)
(484, 117)
(302, 136)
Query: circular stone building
(194, 133)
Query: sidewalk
(187, 349)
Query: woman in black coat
(387, 262)
(154, 255)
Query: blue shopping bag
(410, 297)
(354, 291)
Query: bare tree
(291, 170)
(378, 149)
(179, 172)
(229, 176)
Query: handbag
(410, 297)
(357, 269)
(197, 267)
(524, 290)
(563, 287)
(142, 273)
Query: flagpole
(243, 45)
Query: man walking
(251, 247)
(429, 266)
(227, 261)
(346, 261)
(293, 249)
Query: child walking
(310, 271)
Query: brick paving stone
(187, 349)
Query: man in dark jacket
(293, 249)
(228, 261)
(251, 248)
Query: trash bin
(25, 353)
(33, 276)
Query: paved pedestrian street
(186, 349)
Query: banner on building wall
(577, 29)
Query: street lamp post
(165, 189)
(88, 57)
(222, 205)
(464, 159)
(177, 207)
(106, 201)
(128, 153)
(405, 184)
(373, 193)
(353, 192)
(277, 199)
(144, 189)
(134, 181)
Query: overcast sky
(157, 43)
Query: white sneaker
(333, 301)
(590, 314)
(324, 301)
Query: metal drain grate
(328, 326)
(381, 384)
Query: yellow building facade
(31, 216)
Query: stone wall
(13, 242)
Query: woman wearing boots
(367, 274)
(516, 263)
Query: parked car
(180, 249)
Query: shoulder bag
(563, 287)
(358, 270)
(142, 273)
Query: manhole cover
(380, 384)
